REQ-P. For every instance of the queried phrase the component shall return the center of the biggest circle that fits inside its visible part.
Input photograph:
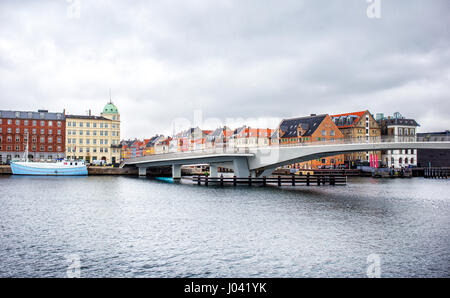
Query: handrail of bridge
(230, 148)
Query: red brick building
(43, 131)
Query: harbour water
(138, 227)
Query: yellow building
(358, 127)
(94, 138)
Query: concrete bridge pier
(142, 171)
(176, 172)
(241, 169)
(213, 170)
(267, 172)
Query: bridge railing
(230, 148)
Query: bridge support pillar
(142, 171)
(176, 172)
(213, 170)
(240, 166)
(267, 172)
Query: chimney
(89, 112)
(64, 112)
(313, 115)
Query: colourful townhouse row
(353, 126)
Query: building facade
(44, 132)
(358, 126)
(93, 138)
(433, 157)
(399, 129)
(313, 128)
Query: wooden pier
(293, 180)
(436, 173)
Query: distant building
(433, 157)
(44, 133)
(219, 138)
(251, 137)
(92, 138)
(313, 128)
(360, 127)
(398, 129)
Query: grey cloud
(232, 59)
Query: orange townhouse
(313, 128)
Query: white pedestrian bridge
(262, 161)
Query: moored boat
(59, 168)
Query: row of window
(33, 122)
(94, 133)
(404, 151)
(402, 161)
(88, 124)
(42, 139)
(94, 141)
(406, 131)
(87, 150)
(42, 148)
(33, 131)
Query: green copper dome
(110, 108)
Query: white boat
(58, 168)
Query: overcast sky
(238, 62)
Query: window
(81, 132)
(59, 131)
(34, 123)
(42, 139)
(69, 141)
(42, 123)
(94, 124)
(50, 123)
(50, 148)
(88, 132)
(17, 139)
(41, 115)
(50, 131)
(59, 140)
(81, 124)
(87, 141)
(34, 131)
(332, 133)
(25, 122)
(94, 132)
(42, 131)
(17, 114)
(81, 149)
(17, 122)
(50, 139)
(106, 125)
(17, 148)
(9, 130)
(9, 121)
(59, 123)
(17, 130)
(69, 123)
(88, 124)
(81, 141)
